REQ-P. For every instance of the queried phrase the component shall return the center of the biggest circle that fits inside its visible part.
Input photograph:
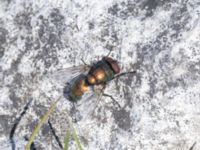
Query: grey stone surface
(160, 104)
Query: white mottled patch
(163, 96)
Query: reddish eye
(115, 67)
(113, 64)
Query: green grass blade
(76, 138)
(66, 141)
(43, 120)
(73, 131)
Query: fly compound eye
(91, 79)
(99, 74)
(113, 63)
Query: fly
(100, 73)
(84, 83)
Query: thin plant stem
(43, 120)
(74, 134)
(66, 140)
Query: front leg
(122, 74)
(112, 98)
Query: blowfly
(84, 82)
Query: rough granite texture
(160, 39)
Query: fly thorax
(100, 72)
(108, 71)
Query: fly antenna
(84, 62)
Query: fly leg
(122, 74)
(112, 98)
(117, 76)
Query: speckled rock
(160, 104)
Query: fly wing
(88, 103)
(63, 76)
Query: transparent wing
(88, 103)
(62, 76)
